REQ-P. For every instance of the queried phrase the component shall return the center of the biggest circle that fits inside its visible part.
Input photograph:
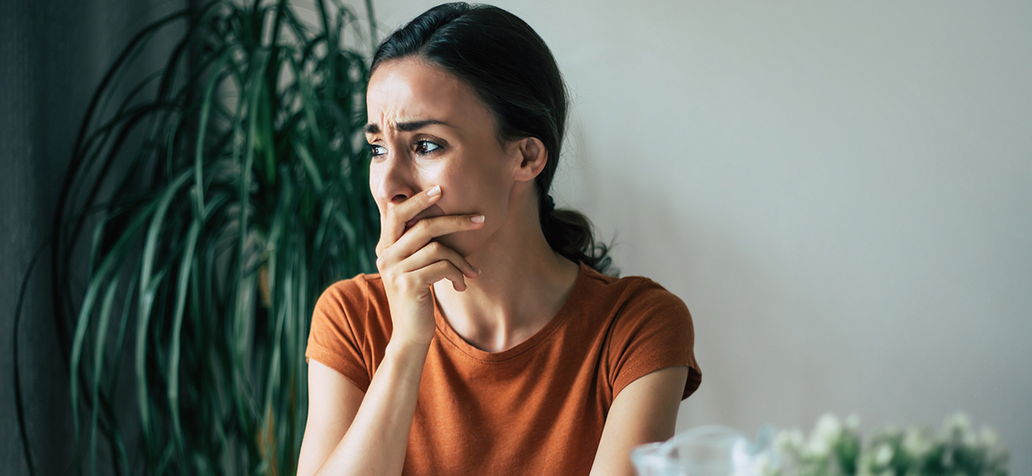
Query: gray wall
(840, 192)
(53, 54)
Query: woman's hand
(410, 263)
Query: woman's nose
(393, 179)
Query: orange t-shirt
(537, 408)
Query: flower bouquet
(835, 448)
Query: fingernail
(475, 269)
(477, 219)
(433, 192)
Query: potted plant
(215, 200)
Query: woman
(489, 342)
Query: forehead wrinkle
(407, 126)
(410, 91)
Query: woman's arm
(643, 412)
(355, 434)
(332, 403)
(351, 433)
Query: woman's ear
(533, 157)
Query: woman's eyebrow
(406, 126)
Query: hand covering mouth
(411, 223)
(431, 212)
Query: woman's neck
(522, 285)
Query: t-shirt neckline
(445, 330)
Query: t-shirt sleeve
(336, 339)
(653, 331)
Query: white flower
(916, 442)
(958, 423)
(970, 439)
(883, 455)
(825, 434)
(789, 441)
(828, 425)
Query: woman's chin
(462, 245)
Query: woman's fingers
(434, 252)
(396, 216)
(417, 282)
(425, 230)
(443, 270)
(420, 236)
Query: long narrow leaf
(177, 329)
(98, 361)
(202, 130)
(149, 282)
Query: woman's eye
(377, 150)
(425, 147)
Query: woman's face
(425, 128)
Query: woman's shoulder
(362, 285)
(352, 297)
(627, 290)
(354, 309)
(347, 328)
(646, 327)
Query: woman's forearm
(376, 442)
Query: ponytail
(570, 234)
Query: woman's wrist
(407, 350)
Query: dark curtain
(53, 54)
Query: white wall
(841, 192)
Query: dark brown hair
(513, 72)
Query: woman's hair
(513, 72)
